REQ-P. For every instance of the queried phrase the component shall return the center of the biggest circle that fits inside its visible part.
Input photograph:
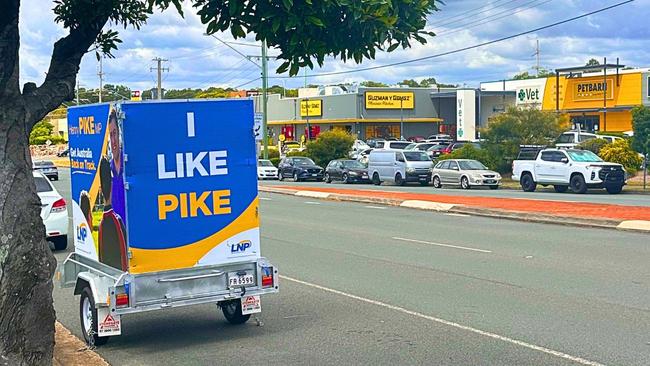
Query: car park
(53, 211)
(416, 139)
(372, 142)
(567, 168)
(47, 168)
(465, 173)
(436, 150)
(290, 146)
(299, 168)
(346, 171)
(399, 167)
(266, 170)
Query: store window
(382, 131)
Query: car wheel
(375, 179)
(399, 180)
(232, 311)
(60, 242)
(295, 177)
(328, 179)
(464, 183)
(560, 189)
(346, 178)
(436, 182)
(88, 318)
(614, 189)
(578, 184)
(527, 183)
(494, 187)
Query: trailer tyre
(88, 317)
(232, 311)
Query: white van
(399, 167)
(571, 139)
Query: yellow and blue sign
(190, 181)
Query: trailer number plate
(236, 280)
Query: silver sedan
(464, 173)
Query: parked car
(372, 142)
(362, 156)
(571, 139)
(47, 168)
(424, 146)
(64, 153)
(436, 150)
(395, 145)
(464, 173)
(266, 170)
(564, 169)
(347, 171)
(610, 139)
(53, 211)
(299, 168)
(289, 146)
(440, 137)
(359, 145)
(458, 145)
(399, 167)
(416, 139)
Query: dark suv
(299, 168)
(347, 171)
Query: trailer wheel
(88, 317)
(232, 311)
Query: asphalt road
(594, 195)
(386, 285)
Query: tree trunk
(26, 262)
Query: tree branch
(59, 84)
(9, 45)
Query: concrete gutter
(630, 225)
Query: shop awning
(619, 108)
(354, 120)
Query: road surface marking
(456, 215)
(531, 346)
(312, 203)
(375, 207)
(266, 199)
(441, 245)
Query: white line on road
(548, 351)
(312, 203)
(266, 199)
(375, 207)
(441, 245)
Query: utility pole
(265, 85)
(101, 77)
(537, 54)
(160, 70)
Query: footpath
(634, 218)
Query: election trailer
(165, 210)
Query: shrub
(470, 152)
(297, 153)
(620, 152)
(275, 161)
(328, 146)
(593, 145)
(274, 153)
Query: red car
(416, 139)
(457, 145)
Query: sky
(199, 61)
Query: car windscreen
(410, 147)
(584, 156)
(416, 156)
(471, 165)
(265, 163)
(399, 145)
(303, 161)
(42, 185)
(352, 164)
(566, 138)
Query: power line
(246, 83)
(488, 20)
(468, 47)
(472, 12)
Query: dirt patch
(71, 351)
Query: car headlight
(410, 170)
(498, 176)
(353, 173)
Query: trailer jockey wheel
(232, 311)
(88, 317)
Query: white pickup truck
(570, 168)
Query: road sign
(136, 96)
(257, 126)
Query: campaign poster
(192, 187)
(97, 166)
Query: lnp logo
(82, 232)
(240, 247)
